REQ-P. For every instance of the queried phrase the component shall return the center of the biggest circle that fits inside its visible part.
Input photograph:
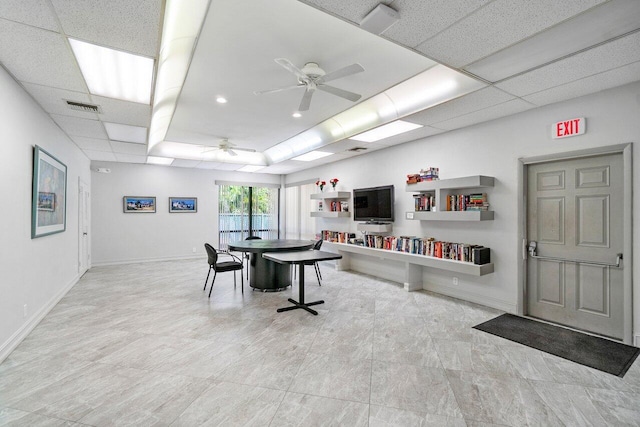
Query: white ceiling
(528, 53)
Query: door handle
(532, 253)
(84, 234)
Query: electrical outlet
(194, 250)
(24, 313)
(455, 281)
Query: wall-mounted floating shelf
(443, 188)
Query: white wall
(35, 272)
(133, 237)
(492, 148)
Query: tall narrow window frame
(247, 209)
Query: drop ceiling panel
(39, 56)
(130, 158)
(475, 101)
(218, 166)
(353, 11)
(597, 25)
(283, 29)
(498, 25)
(92, 144)
(421, 20)
(128, 25)
(592, 84)
(495, 112)
(181, 163)
(123, 112)
(75, 126)
(54, 100)
(100, 155)
(412, 135)
(36, 13)
(129, 148)
(605, 57)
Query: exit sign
(568, 128)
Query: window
(299, 224)
(247, 211)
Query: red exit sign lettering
(567, 128)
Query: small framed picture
(134, 204)
(183, 204)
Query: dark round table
(267, 275)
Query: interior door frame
(627, 213)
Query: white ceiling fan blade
(230, 152)
(340, 92)
(342, 72)
(249, 150)
(291, 68)
(279, 89)
(306, 99)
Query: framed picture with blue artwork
(49, 201)
(138, 204)
(183, 204)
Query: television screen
(373, 204)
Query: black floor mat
(598, 353)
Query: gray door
(574, 212)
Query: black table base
(304, 306)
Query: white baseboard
(143, 260)
(7, 347)
(465, 295)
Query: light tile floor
(142, 345)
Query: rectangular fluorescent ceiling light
(113, 73)
(126, 133)
(250, 168)
(166, 161)
(312, 155)
(386, 131)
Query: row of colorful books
(424, 202)
(464, 252)
(467, 202)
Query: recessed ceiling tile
(100, 155)
(497, 25)
(133, 26)
(474, 101)
(592, 84)
(420, 20)
(495, 112)
(39, 56)
(353, 11)
(54, 100)
(130, 158)
(182, 163)
(219, 166)
(605, 57)
(124, 112)
(419, 133)
(92, 144)
(36, 13)
(129, 148)
(75, 126)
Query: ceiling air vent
(88, 108)
(357, 149)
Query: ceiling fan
(228, 148)
(312, 77)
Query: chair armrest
(235, 258)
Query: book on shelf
(424, 202)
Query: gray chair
(247, 255)
(213, 258)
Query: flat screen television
(373, 204)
